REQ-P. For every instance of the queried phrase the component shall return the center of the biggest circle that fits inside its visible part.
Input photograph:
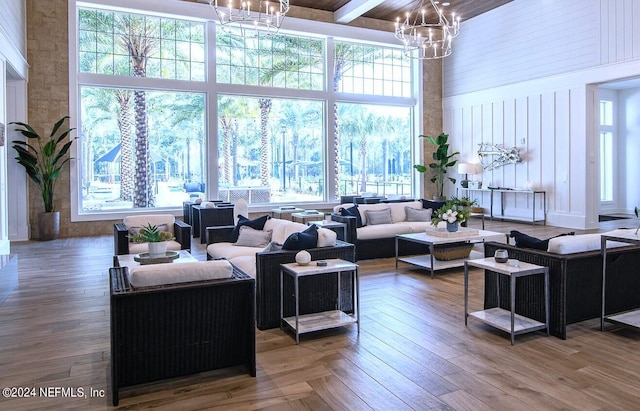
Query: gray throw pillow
(375, 217)
(250, 237)
(414, 214)
(272, 246)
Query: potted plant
(43, 159)
(442, 160)
(156, 239)
(453, 213)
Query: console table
(502, 191)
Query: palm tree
(265, 109)
(123, 97)
(140, 40)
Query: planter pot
(452, 227)
(157, 250)
(49, 225)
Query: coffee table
(429, 262)
(128, 260)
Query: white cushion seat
(174, 273)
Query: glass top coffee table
(431, 240)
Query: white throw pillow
(414, 214)
(375, 217)
(250, 237)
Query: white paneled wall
(12, 25)
(524, 75)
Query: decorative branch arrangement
(493, 156)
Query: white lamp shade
(465, 168)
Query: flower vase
(452, 227)
(158, 250)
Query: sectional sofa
(378, 240)
(319, 293)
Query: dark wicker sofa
(575, 284)
(318, 293)
(182, 329)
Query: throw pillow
(250, 237)
(352, 212)
(302, 240)
(375, 217)
(256, 223)
(272, 246)
(434, 205)
(526, 241)
(414, 214)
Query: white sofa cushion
(174, 273)
(229, 250)
(326, 237)
(372, 232)
(584, 242)
(281, 229)
(246, 264)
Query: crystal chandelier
(423, 38)
(246, 20)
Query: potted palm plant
(156, 239)
(43, 159)
(442, 160)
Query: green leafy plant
(43, 158)
(452, 212)
(442, 160)
(151, 234)
(464, 201)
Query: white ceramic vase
(157, 250)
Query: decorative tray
(145, 258)
(462, 232)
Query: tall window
(289, 128)
(606, 150)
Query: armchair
(122, 245)
(180, 329)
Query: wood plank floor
(413, 351)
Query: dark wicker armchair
(156, 334)
(181, 232)
(203, 217)
(318, 293)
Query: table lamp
(466, 169)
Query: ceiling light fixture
(422, 37)
(246, 20)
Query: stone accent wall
(48, 96)
(431, 115)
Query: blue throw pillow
(352, 212)
(526, 241)
(256, 223)
(303, 240)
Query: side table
(283, 212)
(307, 216)
(334, 226)
(502, 319)
(326, 319)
